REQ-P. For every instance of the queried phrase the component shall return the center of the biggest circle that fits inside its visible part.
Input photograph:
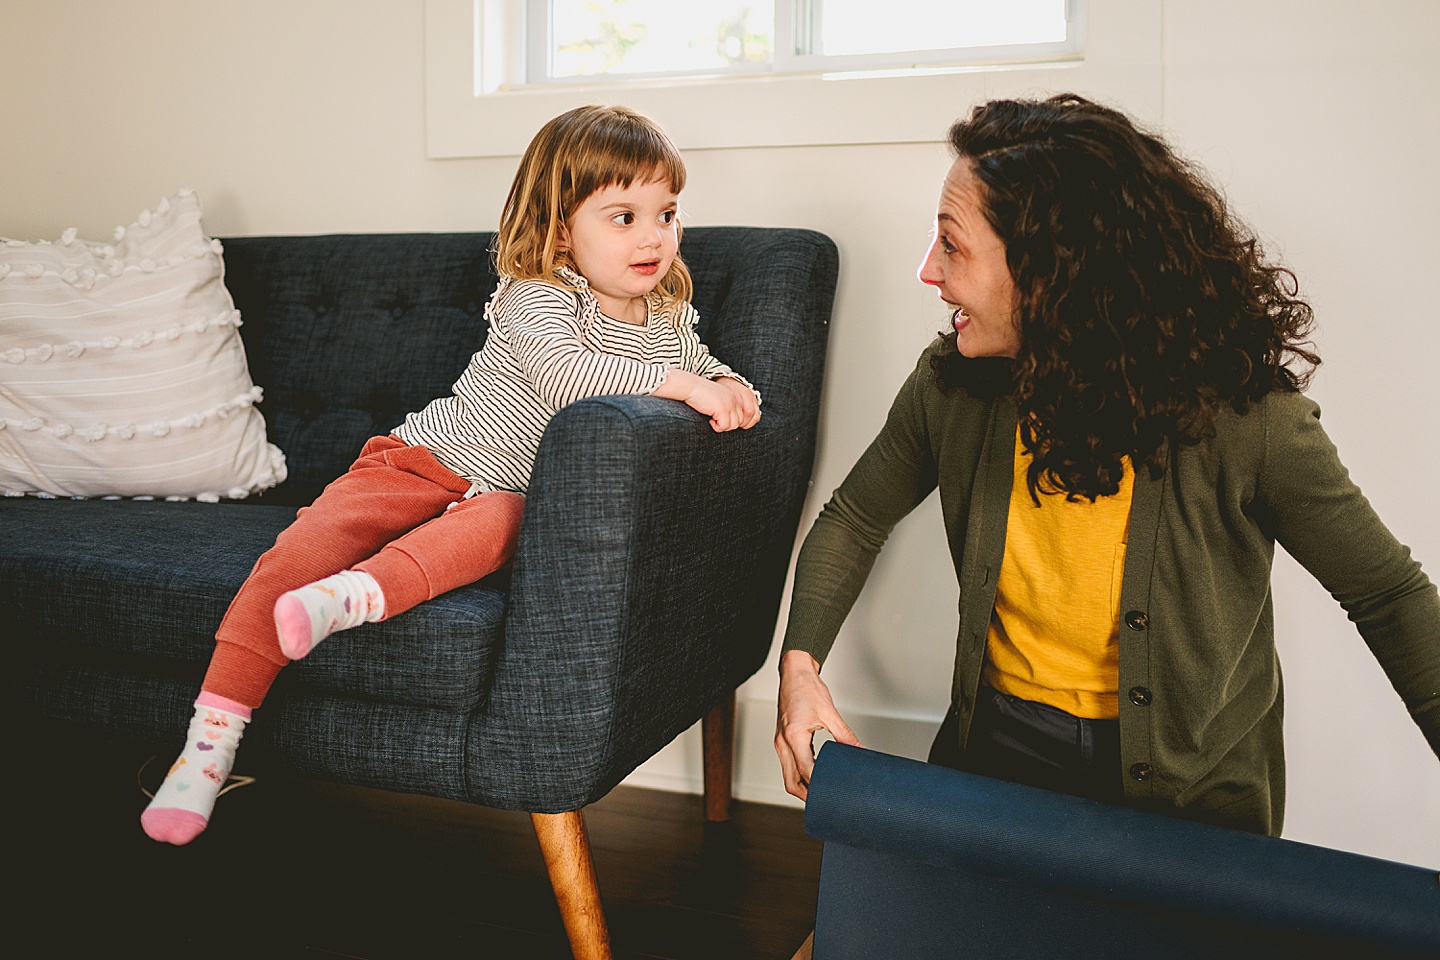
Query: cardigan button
(1136, 620)
(1141, 772)
(1140, 696)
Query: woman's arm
(1323, 520)
(889, 480)
(805, 708)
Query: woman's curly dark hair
(1143, 304)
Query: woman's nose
(929, 272)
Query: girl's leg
(181, 807)
(472, 538)
(388, 491)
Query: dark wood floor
(300, 868)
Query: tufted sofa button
(305, 405)
(1141, 772)
(383, 406)
(1136, 620)
(397, 312)
(320, 309)
(1140, 696)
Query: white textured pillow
(122, 373)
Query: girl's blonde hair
(574, 155)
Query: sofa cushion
(136, 580)
(122, 372)
(349, 333)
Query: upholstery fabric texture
(652, 553)
(122, 371)
(924, 861)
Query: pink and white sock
(181, 807)
(308, 615)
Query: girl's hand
(728, 403)
(747, 408)
(805, 707)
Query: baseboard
(677, 768)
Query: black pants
(1032, 743)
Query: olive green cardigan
(1200, 696)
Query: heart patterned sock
(306, 616)
(181, 808)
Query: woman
(1117, 431)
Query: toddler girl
(593, 299)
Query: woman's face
(966, 264)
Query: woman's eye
(946, 245)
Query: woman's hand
(728, 403)
(805, 707)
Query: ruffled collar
(589, 312)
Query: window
(618, 39)
(626, 39)
(477, 105)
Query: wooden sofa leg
(566, 847)
(718, 730)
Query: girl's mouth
(646, 268)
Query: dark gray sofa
(651, 560)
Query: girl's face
(966, 263)
(623, 240)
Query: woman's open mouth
(960, 318)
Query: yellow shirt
(1054, 633)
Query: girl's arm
(696, 357)
(728, 403)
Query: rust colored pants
(390, 515)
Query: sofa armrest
(765, 297)
(646, 583)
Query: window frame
(798, 24)
(796, 54)
(537, 52)
(473, 109)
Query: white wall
(1318, 117)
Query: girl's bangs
(625, 163)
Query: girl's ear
(562, 238)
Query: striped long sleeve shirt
(549, 346)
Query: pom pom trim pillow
(122, 372)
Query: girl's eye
(667, 217)
(624, 219)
